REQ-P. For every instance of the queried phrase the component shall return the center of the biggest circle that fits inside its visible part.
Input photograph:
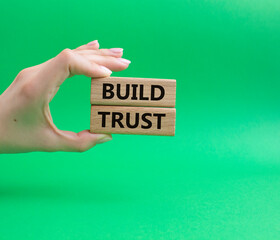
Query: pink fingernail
(116, 50)
(106, 69)
(103, 138)
(92, 43)
(124, 60)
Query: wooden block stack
(133, 106)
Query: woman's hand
(25, 120)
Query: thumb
(81, 141)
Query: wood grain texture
(133, 91)
(133, 120)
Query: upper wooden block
(127, 91)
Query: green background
(218, 178)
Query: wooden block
(133, 120)
(124, 91)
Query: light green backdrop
(218, 178)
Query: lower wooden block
(133, 120)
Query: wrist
(2, 125)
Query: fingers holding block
(127, 91)
(133, 120)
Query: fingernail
(106, 70)
(103, 139)
(116, 50)
(92, 43)
(124, 60)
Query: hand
(25, 119)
